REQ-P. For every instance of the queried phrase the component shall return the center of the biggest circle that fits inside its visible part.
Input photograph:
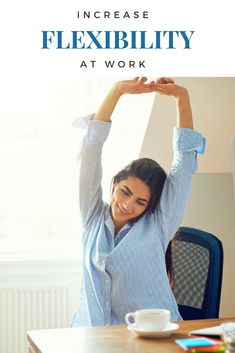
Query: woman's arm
(187, 142)
(90, 191)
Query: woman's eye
(140, 203)
(125, 192)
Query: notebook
(214, 331)
(198, 343)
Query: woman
(124, 244)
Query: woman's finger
(164, 80)
(143, 79)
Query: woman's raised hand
(135, 86)
(162, 85)
(166, 86)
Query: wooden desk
(110, 339)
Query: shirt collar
(110, 224)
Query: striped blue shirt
(127, 272)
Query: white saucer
(167, 331)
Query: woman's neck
(118, 227)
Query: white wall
(211, 204)
(213, 106)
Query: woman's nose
(128, 205)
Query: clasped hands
(162, 85)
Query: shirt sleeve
(90, 171)
(187, 143)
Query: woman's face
(129, 200)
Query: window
(38, 181)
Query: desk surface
(110, 339)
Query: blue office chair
(197, 258)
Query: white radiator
(27, 307)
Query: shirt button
(107, 303)
(107, 281)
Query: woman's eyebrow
(139, 198)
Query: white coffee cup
(149, 319)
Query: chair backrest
(198, 267)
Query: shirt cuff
(97, 130)
(187, 140)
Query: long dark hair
(169, 258)
(153, 175)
